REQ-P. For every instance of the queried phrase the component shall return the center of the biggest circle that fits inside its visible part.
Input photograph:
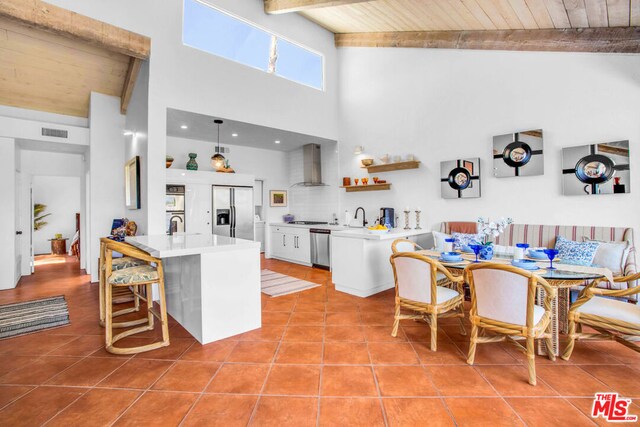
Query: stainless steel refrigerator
(233, 212)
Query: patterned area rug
(26, 317)
(276, 284)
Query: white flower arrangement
(490, 229)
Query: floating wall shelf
(369, 187)
(388, 167)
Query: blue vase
(486, 253)
(192, 165)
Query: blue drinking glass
(551, 254)
(476, 250)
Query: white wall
(61, 195)
(51, 174)
(268, 165)
(8, 223)
(137, 144)
(106, 165)
(191, 80)
(444, 105)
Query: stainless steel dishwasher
(320, 247)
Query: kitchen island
(212, 282)
(360, 260)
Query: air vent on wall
(222, 150)
(56, 133)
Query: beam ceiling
(556, 25)
(51, 59)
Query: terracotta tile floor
(321, 358)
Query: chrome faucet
(173, 225)
(364, 218)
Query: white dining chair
(503, 301)
(404, 245)
(417, 290)
(612, 319)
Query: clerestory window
(217, 32)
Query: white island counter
(212, 282)
(360, 260)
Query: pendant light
(217, 160)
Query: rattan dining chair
(611, 318)
(503, 301)
(404, 245)
(417, 290)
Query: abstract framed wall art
(460, 179)
(278, 198)
(602, 168)
(518, 154)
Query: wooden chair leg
(463, 330)
(396, 322)
(108, 322)
(163, 306)
(472, 344)
(434, 331)
(549, 343)
(531, 360)
(101, 283)
(149, 296)
(572, 341)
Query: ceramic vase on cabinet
(192, 165)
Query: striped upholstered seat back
(545, 235)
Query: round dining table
(561, 279)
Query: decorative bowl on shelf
(169, 161)
(366, 162)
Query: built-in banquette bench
(545, 236)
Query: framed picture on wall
(278, 198)
(460, 179)
(518, 154)
(132, 183)
(602, 168)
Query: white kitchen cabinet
(259, 234)
(291, 244)
(198, 209)
(301, 248)
(279, 248)
(257, 192)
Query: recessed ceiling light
(184, 127)
(277, 142)
(234, 134)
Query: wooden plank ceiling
(457, 15)
(51, 59)
(417, 23)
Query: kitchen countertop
(164, 246)
(321, 226)
(361, 233)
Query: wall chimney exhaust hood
(312, 166)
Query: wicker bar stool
(121, 294)
(137, 278)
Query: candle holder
(418, 220)
(406, 220)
